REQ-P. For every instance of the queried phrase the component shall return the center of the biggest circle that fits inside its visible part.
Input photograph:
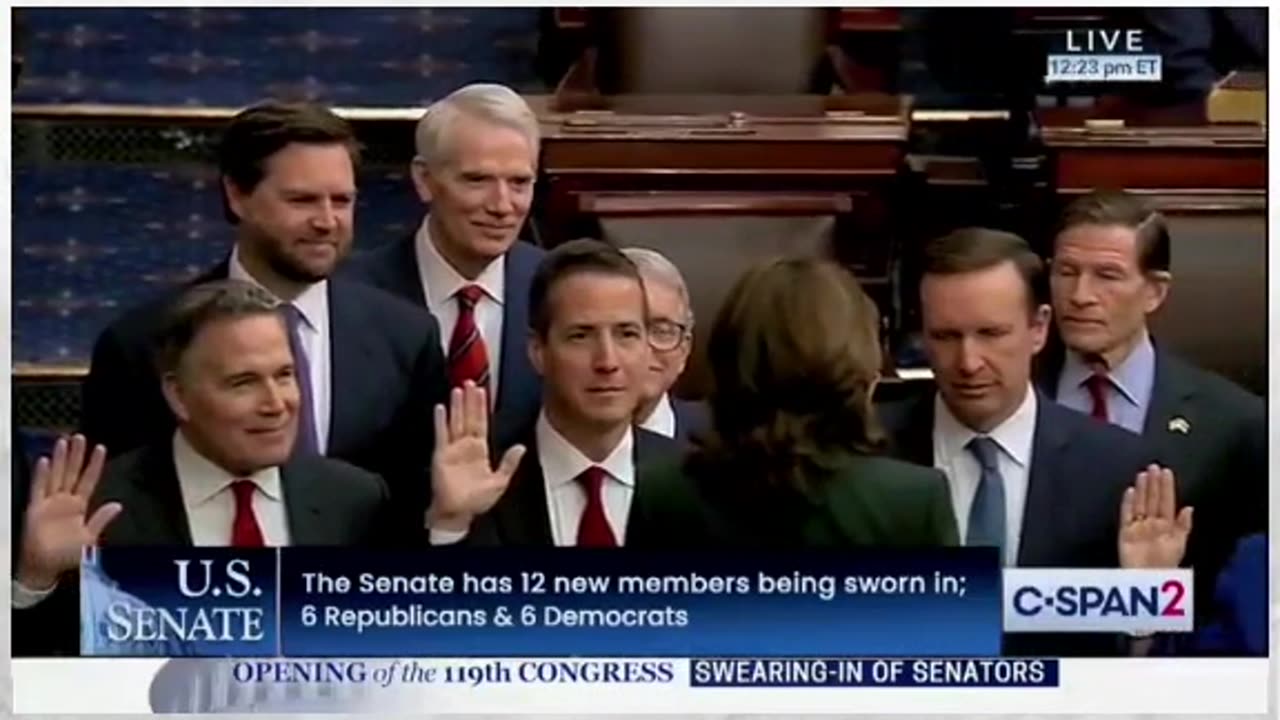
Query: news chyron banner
(289, 624)
(454, 602)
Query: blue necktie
(987, 515)
(308, 441)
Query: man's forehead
(1119, 241)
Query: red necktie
(245, 531)
(594, 530)
(468, 359)
(1097, 384)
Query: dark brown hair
(974, 249)
(572, 258)
(200, 306)
(1118, 207)
(262, 130)
(794, 354)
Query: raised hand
(463, 482)
(1153, 534)
(58, 525)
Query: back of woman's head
(794, 356)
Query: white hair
(655, 266)
(495, 104)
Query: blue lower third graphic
(869, 672)
(472, 602)
(211, 602)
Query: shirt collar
(312, 303)
(663, 418)
(443, 281)
(204, 479)
(1015, 435)
(562, 463)
(1128, 377)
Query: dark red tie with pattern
(594, 530)
(1097, 386)
(245, 531)
(468, 358)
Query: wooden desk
(718, 183)
(851, 146)
(1210, 182)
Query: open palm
(464, 483)
(1152, 533)
(58, 525)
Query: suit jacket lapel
(307, 524)
(1170, 396)
(406, 276)
(916, 440)
(516, 375)
(349, 380)
(522, 514)
(157, 512)
(1049, 442)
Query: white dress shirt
(663, 418)
(441, 283)
(313, 305)
(562, 463)
(1128, 392)
(1014, 437)
(210, 506)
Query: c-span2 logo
(1058, 600)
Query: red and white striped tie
(468, 358)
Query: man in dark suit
(671, 337)
(477, 155)
(370, 365)
(1110, 272)
(227, 477)
(1041, 482)
(575, 483)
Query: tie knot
(469, 295)
(592, 480)
(1097, 381)
(986, 450)
(292, 316)
(243, 490)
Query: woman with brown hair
(791, 457)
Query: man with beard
(369, 364)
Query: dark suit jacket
(520, 518)
(327, 502)
(1080, 469)
(394, 268)
(1239, 612)
(387, 371)
(692, 418)
(868, 501)
(1201, 45)
(1220, 463)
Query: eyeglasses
(665, 335)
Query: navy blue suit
(1080, 469)
(394, 268)
(1219, 459)
(1201, 45)
(1239, 609)
(692, 418)
(387, 371)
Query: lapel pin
(1179, 425)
